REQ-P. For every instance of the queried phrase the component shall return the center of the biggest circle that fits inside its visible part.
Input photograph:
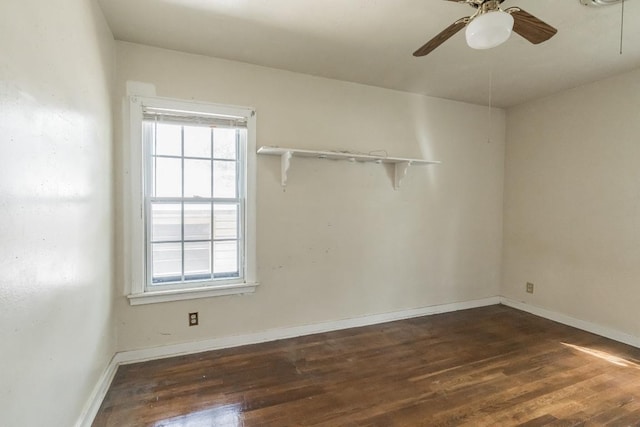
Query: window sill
(193, 293)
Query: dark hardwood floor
(492, 366)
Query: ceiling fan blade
(444, 35)
(530, 27)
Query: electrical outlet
(529, 288)
(193, 319)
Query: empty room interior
(297, 212)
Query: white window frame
(138, 292)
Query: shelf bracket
(285, 164)
(401, 169)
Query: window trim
(136, 289)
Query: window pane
(224, 179)
(197, 260)
(197, 178)
(197, 221)
(225, 257)
(167, 177)
(167, 262)
(197, 141)
(225, 222)
(168, 140)
(224, 143)
(166, 222)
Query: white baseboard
(572, 321)
(134, 356)
(97, 395)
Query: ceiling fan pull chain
(490, 104)
(621, 27)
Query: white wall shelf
(401, 164)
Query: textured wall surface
(56, 221)
(572, 203)
(339, 242)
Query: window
(194, 234)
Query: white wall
(340, 242)
(572, 203)
(56, 332)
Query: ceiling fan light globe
(489, 30)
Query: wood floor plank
(492, 366)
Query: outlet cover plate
(193, 319)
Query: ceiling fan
(491, 26)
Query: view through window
(194, 199)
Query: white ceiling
(372, 41)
